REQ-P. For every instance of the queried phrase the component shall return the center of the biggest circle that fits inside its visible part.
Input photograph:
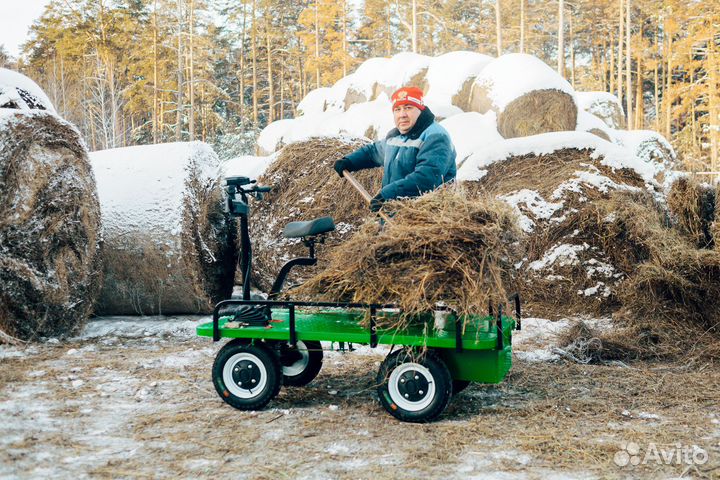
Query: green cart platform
(429, 362)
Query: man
(418, 156)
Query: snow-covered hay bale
(314, 102)
(168, 245)
(440, 247)
(246, 166)
(692, 205)
(649, 146)
(450, 78)
(552, 181)
(49, 227)
(527, 95)
(470, 132)
(603, 105)
(304, 187)
(21, 93)
(272, 137)
(403, 70)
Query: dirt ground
(133, 399)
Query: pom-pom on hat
(408, 96)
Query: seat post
(310, 243)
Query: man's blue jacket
(414, 163)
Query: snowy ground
(132, 398)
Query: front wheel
(414, 387)
(246, 376)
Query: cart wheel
(414, 388)
(300, 364)
(459, 386)
(246, 376)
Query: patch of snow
(561, 255)
(471, 131)
(512, 75)
(587, 121)
(138, 327)
(600, 104)
(401, 68)
(533, 202)
(246, 166)
(314, 102)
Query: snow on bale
(168, 245)
(21, 93)
(553, 181)
(404, 69)
(471, 131)
(361, 88)
(527, 95)
(49, 227)
(603, 105)
(271, 137)
(587, 122)
(450, 78)
(372, 120)
(246, 166)
(440, 247)
(304, 187)
(314, 102)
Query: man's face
(405, 117)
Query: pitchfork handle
(358, 186)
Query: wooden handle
(358, 186)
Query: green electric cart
(275, 342)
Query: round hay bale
(604, 106)
(402, 70)
(528, 96)
(49, 227)
(305, 187)
(21, 93)
(169, 246)
(649, 146)
(450, 77)
(587, 122)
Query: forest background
(131, 72)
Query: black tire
(459, 385)
(413, 387)
(229, 373)
(301, 364)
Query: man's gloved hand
(340, 165)
(377, 202)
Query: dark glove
(377, 202)
(340, 165)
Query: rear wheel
(414, 388)
(300, 364)
(246, 376)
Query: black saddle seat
(307, 229)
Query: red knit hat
(408, 96)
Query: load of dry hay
(168, 245)
(567, 269)
(49, 227)
(441, 247)
(692, 205)
(304, 187)
(528, 97)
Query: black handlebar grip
(263, 189)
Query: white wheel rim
(251, 390)
(300, 364)
(399, 399)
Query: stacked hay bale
(527, 96)
(587, 122)
(168, 245)
(403, 69)
(649, 146)
(692, 205)
(49, 226)
(304, 187)
(552, 183)
(450, 78)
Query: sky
(15, 21)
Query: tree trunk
(628, 65)
(667, 99)
(180, 81)
(522, 26)
(561, 39)
(414, 26)
(657, 99)
(242, 64)
(713, 101)
(254, 64)
(155, 75)
(639, 121)
(191, 72)
(498, 28)
(612, 62)
(317, 46)
(620, 55)
(344, 38)
(271, 93)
